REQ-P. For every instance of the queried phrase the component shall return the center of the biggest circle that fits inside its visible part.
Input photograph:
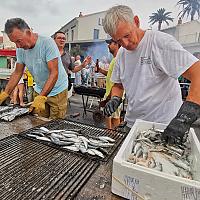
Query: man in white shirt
(147, 66)
(78, 73)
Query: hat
(108, 41)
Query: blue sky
(47, 16)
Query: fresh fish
(106, 139)
(55, 135)
(10, 115)
(181, 164)
(139, 153)
(102, 150)
(56, 131)
(44, 129)
(174, 160)
(105, 144)
(98, 153)
(132, 158)
(31, 135)
(70, 132)
(60, 143)
(144, 139)
(158, 166)
(151, 163)
(82, 149)
(37, 133)
(72, 148)
(43, 138)
(136, 147)
(4, 108)
(91, 152)
(75, 140)
(85, 141)
(72, 140)
(69, 135)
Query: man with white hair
(148, 66)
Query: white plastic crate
(150, 184)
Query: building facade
(7, 61)
(188, 34)
(7, 44)
(85, 28)
(87, 32)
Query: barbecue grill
(90, 91)
(93, 92)
(33, 170)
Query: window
(96, 34)
(100, 21)
(67, 36)
(72, 35)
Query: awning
(7, 52)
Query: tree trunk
(192, 17)
(159, 25)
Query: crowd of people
(146, 65)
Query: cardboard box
(150, 184)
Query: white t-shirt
(77, 74)
(149, 76)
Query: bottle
(97, 66)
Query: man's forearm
(13, 81)
(103, 71)
(78, 68)
(50, 83)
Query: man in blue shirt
(42, 58)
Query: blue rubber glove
(112, 105)
(178, 129)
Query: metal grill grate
(90, 91)
(86, 130)
(34, 171)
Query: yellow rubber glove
(3, 97)
(38, 104)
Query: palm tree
(189, 7)
(160, 16)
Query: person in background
(30, 89)
(148, 66)
(72, 74)
(113, 120)
(84, 76)
(78, 73)
(18, 93)
(60, 40)
(41, 56)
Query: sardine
(136, 147)
(91, 152)
(106, 139)
(72, 148)
(43, 138)
(98, 153)
(44, 129)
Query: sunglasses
(110, 42)
(61, 38)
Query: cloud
(47, 16)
